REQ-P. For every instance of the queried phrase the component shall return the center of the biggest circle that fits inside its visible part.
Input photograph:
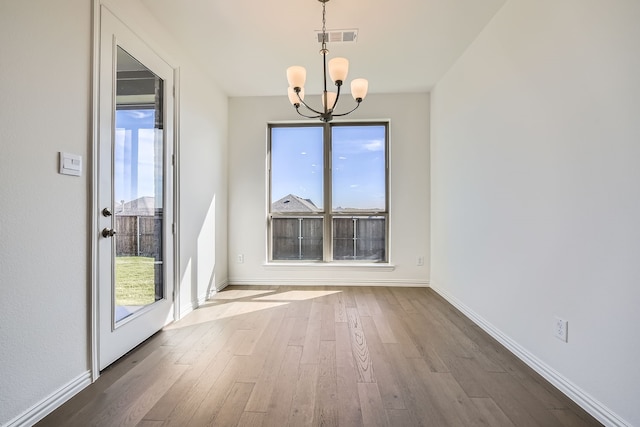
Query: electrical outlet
(240, 258)
(560, 329)
(420, 261)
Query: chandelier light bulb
(359, 89)
(296, 75)
(331, 99)
(293, 96)
(338, 69)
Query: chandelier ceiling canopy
(338, 69)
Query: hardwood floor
(321, 356)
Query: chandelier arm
(308, 108)
(304, 115)
(337, 97)
(348, 112)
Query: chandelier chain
(324, 29)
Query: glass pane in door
(138, 155)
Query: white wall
(45, 107)
(203, 189)
(535, 195)
(409, 192)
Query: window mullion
(355, 238)
(328, 217)
(300, 238)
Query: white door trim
(176, 193)
(93, 232)
(94, 319)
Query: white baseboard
(219, 286)
(572, 391)
(331, 282)
(188, 308)
(47, 405)
(192, 305)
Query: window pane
(296, 169)
(343, 242)
(358, 172)
(297, 238)
(311, 242)
(359, 238)
(371, 239)
(137, 191)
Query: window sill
(328, 266)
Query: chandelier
(338, 69)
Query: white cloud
(139, 114)
(374, 145)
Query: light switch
(70, 164)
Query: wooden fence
(297, 238)
(139, 235)
(354, 238)
(359, 238)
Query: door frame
(94, 319)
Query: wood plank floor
(321, 356)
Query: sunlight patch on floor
(297, 295)
(238, 294)
(222, 311)
(238, 302)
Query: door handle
(106, 212)
(108, 232)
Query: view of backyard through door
(138, 210)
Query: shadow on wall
(199, 275)
(206, 256)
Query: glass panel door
(137, 187)
(135, 246)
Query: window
(328, 192)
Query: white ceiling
(246, 45)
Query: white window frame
(326, 212)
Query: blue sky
(358, 165)
(296, 163)
(128, 124)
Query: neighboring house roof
(293, 203)
(143, 206)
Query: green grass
(134, 281)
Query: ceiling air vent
(339, 36)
